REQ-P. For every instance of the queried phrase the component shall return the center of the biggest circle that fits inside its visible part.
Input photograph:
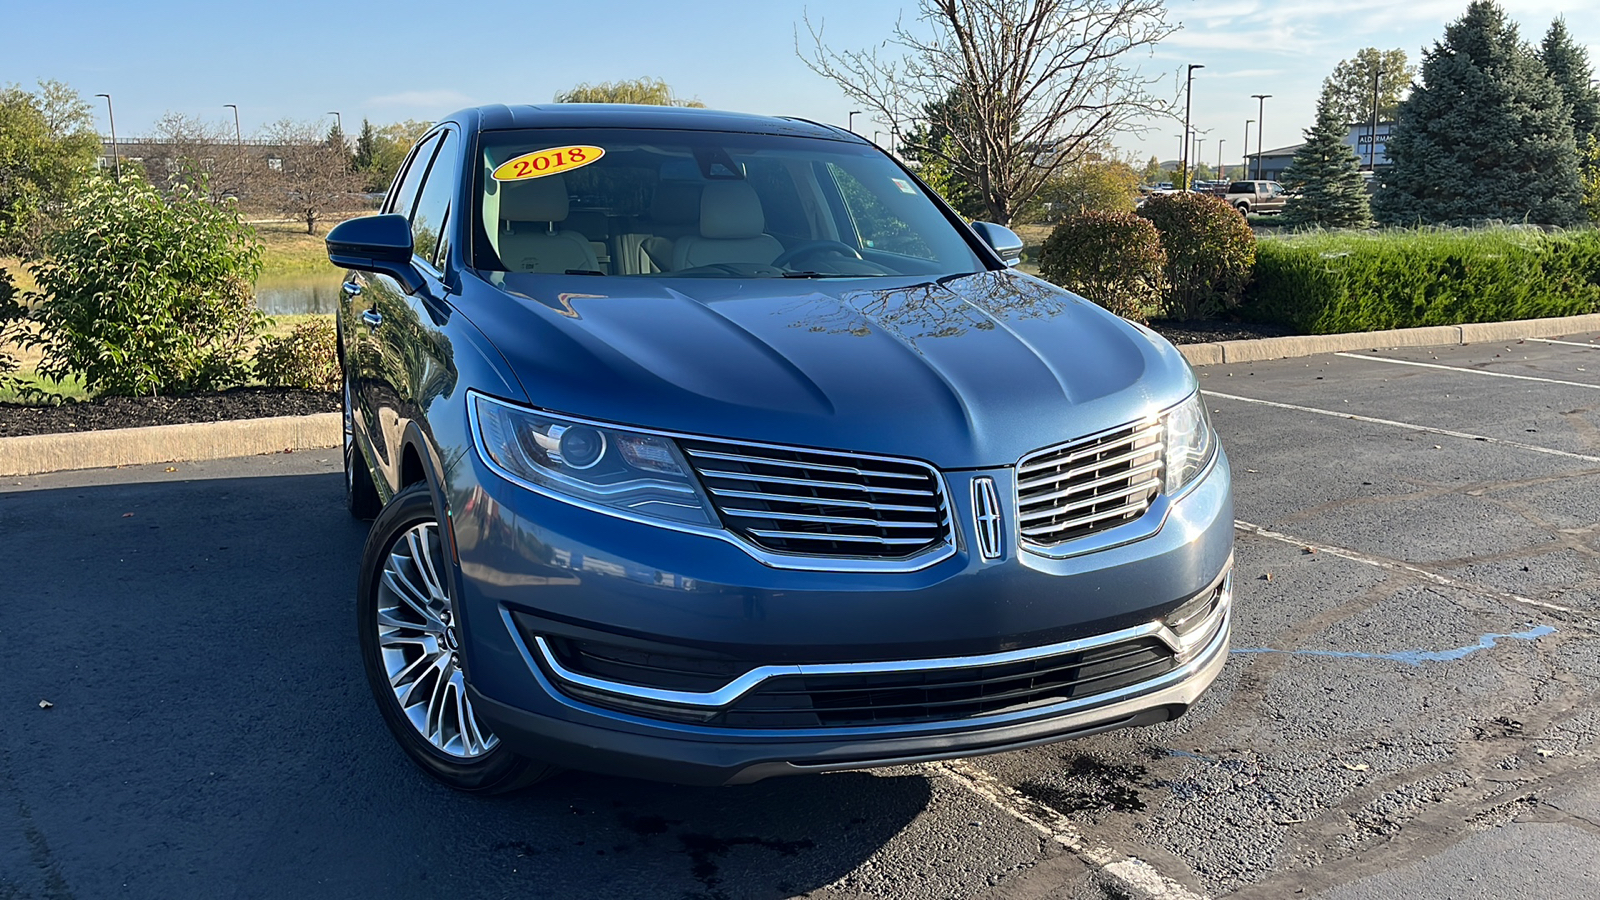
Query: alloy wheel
(420, 647)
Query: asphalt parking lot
(1411, 707)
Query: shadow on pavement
(211, 732)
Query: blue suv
(708, 447)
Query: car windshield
(650, 203)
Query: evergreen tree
(1327, 175)
(366, 147)
(1486, 135)
(1569, 66)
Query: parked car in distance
(1257, 197)
(707, 447)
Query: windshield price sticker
(904, 186)
(540, 163)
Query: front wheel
(410, 648)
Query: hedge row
(1332, 282)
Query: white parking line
(1394, 565)
(1138, 878)
(1427, 429)
(1423, 365)
(1566, 343)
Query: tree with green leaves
(380, 151)
(1349, 89)
(936, 152)
(1568, 63)
(1484, 136)
(647, 91)
(1153, 172)
(1590, 170)
(48, 150)
(1326, 175)
(143, 293)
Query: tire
(404, 617)
(360, 494)
(1243, 208)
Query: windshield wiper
(819, 275)
(584, 272)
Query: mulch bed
(1199, 331)
(133, 412)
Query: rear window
(659, 203)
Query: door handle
(351, 289)
(372, 317)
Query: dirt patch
(134, 412)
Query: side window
(405, 194)
(433, 204)
(873, 213)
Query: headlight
(1190, 442)
(641, 474)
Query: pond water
(293, 295)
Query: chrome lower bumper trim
(1191, 654)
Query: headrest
(534, 199)
(675, 203)
(730, 209)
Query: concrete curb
(36, 454)
(1434, 336)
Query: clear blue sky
(405, 59)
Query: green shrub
(1112, 258)
(307, 357)
(143, 295)
(1210, 252)
(1336, 282)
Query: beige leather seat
(732, 229)
(674, 212)
(530, 237)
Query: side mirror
(379, 244)
(1001, 239)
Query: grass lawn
(288, 250)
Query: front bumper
(535, 560)
(686, 758)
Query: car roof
(626, 115)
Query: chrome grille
(817, 503)
(1078, 489)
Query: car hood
(970, 371)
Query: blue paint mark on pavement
(1414, 657)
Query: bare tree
(1022, 88)
(198, 153)
(310, 177)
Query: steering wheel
(811, 248)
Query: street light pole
(116, 158)
(1372, 148)
(238, 136)
(851, 121)
(1244, 157)
(1188, 108)
(1261, 128)
(1218, 173)
(1198, 145)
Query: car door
(362, 300)
(411, 354)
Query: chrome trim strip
(1199, 660)
(1147, 485)
(795, 562)
(742, 685)
(836, 485)
(791, 463)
